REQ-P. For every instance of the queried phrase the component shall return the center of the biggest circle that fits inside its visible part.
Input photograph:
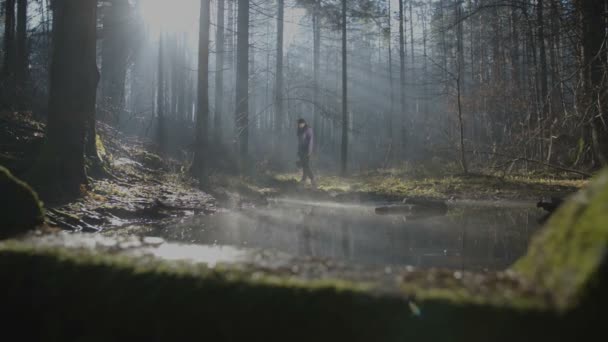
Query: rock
(20, 208)
(550, 206)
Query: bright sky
(171, 17)
(183, 16)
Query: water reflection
(469, 237)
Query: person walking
(305, 149)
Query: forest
(456, 153)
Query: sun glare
(168, 16)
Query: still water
(471, 236)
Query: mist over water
(470, 237)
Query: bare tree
(242, 82)
(344, 154)
(220, 46)
(199, 165)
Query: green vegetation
(400, 184)
(568, 256)
(552, 293)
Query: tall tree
(345, 123)
(278, 87)
(242, 82)
(202, 118)
(412, 31)
(391, 111)
(74, 78)
(160, 96)
(115, 53)
(9, 50)
(543, 73)
(316, 65)
(402, 56)
(593, 61)
(22, 61)
(219, 72)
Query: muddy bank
(135, 185)
(141, 188)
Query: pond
(472, 236)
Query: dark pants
(307, 170)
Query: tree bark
(316, 68)
(74, 77)
(344, 153)
(219, 73)
(202, 118)
(460, 43)
(242, 83)
(115, 53)
(278, 85)
(593, 62)
(412, 32)
(401, 57)
(389, 119)
(463, 159)
(9, 51)
(544, 92)
(160, 96)
(21, 52)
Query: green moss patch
(77, 294)
(571, 252)
(395, 184)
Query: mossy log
(81, 294)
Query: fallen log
(417, 207)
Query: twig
(553, 166)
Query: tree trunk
(412, 33)
(9, 52)
(74, 78)
(202, 118)
(543, 73)
(401, 57)
(460, 43)
(593, 63)
(114, 53)
(463, 159)
(316, 68)
(344, 154)
(278, 85)
(389, 119)
(22, 53)
(219, 73)
(515, 67)
(242, 83)
(160, 96)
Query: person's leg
(309, 173)
(303, 163)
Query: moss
(75, 294)
(569, 254)
(398, 184)
(101, 149)
(20, 208)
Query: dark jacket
(305, 141)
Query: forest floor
(139, 186)
(397, 184)
(144, 188)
